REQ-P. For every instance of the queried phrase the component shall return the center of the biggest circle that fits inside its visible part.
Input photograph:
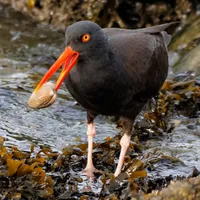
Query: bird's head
(84, 40)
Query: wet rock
(191, 61)
(187, 44)
(184, 76)
(106, 13)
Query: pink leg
(91, 132)
(124, 142)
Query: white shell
(44, 97)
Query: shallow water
(26, 52)
(183, 143)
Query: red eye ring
(85, 37)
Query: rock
(185, 189)
(187, 44)
(191, 61)
(107, 13)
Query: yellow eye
(86, 37)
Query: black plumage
(112, 72)
(118, 70)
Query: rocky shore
(107, 13)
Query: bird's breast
(95, 90)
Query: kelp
(22, 174)
(46, 174)
(178, 96)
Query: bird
(112, 72)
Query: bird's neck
(99, 60)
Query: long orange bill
(69, 57)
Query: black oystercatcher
(112, 72)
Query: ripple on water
(184, 144)
(48, 126)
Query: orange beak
(69, 57)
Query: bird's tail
(167, 38)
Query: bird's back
(167, 29)
(143, 53)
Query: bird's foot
(89, 172)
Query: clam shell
(44, 97)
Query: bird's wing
(143, 55)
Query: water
(183, 143)
(26, 52)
